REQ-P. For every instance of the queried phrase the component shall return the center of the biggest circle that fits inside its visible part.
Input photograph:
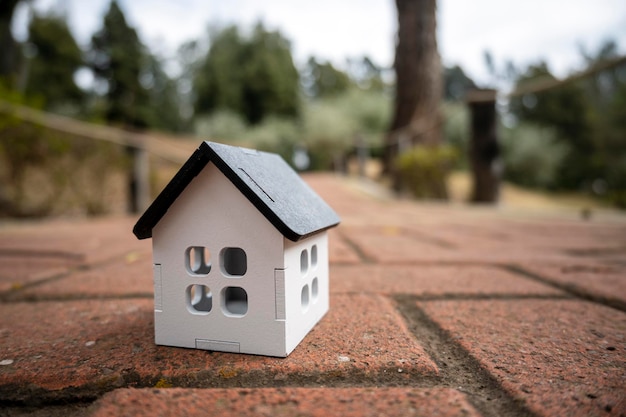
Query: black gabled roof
(270, 184)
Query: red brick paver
(561, 357)
(56, 345)
(37, 252)
(436, 280)
(346, 402)
(126, 277)
(435, 310)
(605, 282)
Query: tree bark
(419, 83)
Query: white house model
(240, 253)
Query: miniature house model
(240, 252)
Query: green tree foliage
(566, 109)
(271, 81)
(533, 155)
(332, 126)
(606, 92)
(116, 58)
(455, 112)
(255, 77)
(613, 148)
(327, 128)
(456, 83)
(218, 83)
(587, 118)
(57, 57)
(367, 74)
(221, 125)
(188, 57)
(322, 79)
(164, 111)
(276, 134)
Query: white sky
(523, 31)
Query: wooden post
(138, 179)
(362, 155)
(484, 149)
(340, 165)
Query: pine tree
(254, 77)
(325, 80)
(56, 60)
(165, 103)
(218, 83)
(116, 58)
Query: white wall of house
(306, 289)
(212, 213)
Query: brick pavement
(435, 310)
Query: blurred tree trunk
(8, 47)
(419, 84)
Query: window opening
(199, 299)
(198, 260)
(304, 261)
(235, 301)
(234, 262)
(314, 289)
(314, 256)
(304, 298)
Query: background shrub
(424, 170)
(532, 155)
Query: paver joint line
(365, 258)
(570, 289)
(38, 253)
(459, 369)
(15, 294)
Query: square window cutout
(198, 260)
(199, 299)
(234, 301)
(234, 262)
